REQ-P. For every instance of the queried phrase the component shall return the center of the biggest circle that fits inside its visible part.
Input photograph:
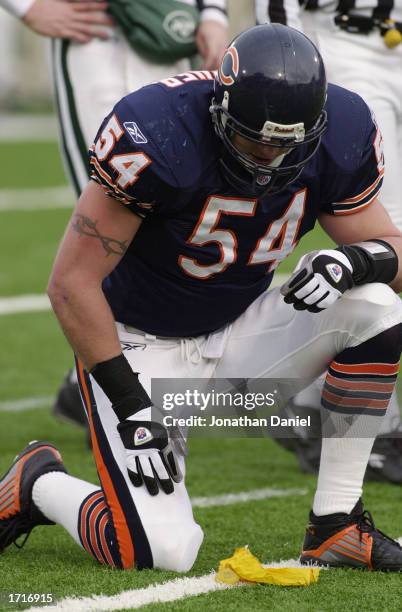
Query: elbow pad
(373, 261)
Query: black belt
(357, 24)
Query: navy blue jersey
(203, 252)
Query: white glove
(320, 278)
(150, 458)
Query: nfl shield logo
(335, 271)
(142, 435)
(263, 179)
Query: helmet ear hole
(270, 89)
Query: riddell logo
(335, 271)
(283, 130)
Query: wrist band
(121, 385)
(373, 261)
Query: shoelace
(365, 524)
(11, 532)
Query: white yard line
(27, 403)
(172, 590)
(136, 598)
(24, 303)
(246, 496)
(43, 198)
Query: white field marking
(173, 590)
(42, 198)
(24, 303)
(36, 303)
(28, 403)
(399, 540)
(246, 496)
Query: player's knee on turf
(176, 548)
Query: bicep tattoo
(87, 227)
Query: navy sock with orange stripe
(96, 531)
(361, 379)
(356, 393)
(80, 508)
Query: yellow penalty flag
(244, 566)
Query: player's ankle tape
(121, 385)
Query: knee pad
(366, 311)
(373, 293)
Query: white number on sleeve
(379, 151)
(129, 166)
(110, 135)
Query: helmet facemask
(259, 180)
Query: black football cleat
(350, 541)
(18, 513)
(68, 404)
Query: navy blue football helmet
(270, 89)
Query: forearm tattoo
(86, 227)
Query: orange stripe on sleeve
(364, 193)
(356, 209)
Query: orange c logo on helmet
(229, 68)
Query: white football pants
(270, 339)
